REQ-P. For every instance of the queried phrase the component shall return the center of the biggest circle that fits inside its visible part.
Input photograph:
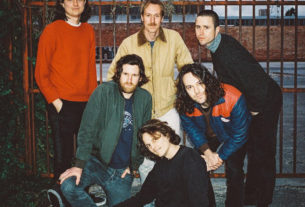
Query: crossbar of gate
(298, 55)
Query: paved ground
(288, 192)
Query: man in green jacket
(107, 151)
(161, 49)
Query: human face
(129, 79)
(152, 18)
(195, 88)
(205, 30)
(157, 145)
(74, 9)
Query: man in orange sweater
(66, 75)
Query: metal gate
(273, 31)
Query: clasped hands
(212, 159)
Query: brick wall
(107, 39)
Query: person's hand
(212, 160)
(254, 113)
(73, 171)
(57, 103)
(125, 172)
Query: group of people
(131, 124)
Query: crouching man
(107, 154)
(216, 119)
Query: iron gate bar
(281, 85)
(100, 40)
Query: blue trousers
(116, 188)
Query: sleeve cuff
(79, 163)
(204, 147)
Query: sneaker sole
(56, 195)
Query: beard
(127, 88)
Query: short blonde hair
(145, 4)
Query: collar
(214, 45)
(73, 24)
(142, 39)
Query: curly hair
(184, 103)
(60, 13)
(155, 128)
(132, 59)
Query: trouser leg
(76, 195)
(235, 178)
(65, 125)
(261, 171)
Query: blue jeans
(116, 188)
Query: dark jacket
(229, 120)
(178, 182)
(234, 65)
(102, 123)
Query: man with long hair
(107, 152)
(236, 66)
(216, 119)
(179, 177)
(66, 75)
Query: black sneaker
(55, 198)
(98, 199)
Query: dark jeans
(262, 150)
(234, 174)
(65, 125)
(116, 188)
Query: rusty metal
(281, 85)
(30, 91)
(28, 144)
(31, 79)
(127, 16)
(295, 108)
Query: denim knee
(68, 187)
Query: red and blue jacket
(229, 120)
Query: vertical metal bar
(100, 41)
(10, 46)
(226, 17)
(199, 48)
(295, 110)
(240, 21)
(281, 84)
(183, 20)
(253, 30)
(26, 90)
(268, 36)
(48, 146)
(114, 25)
(32, 110)
(127, 12)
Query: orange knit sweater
(65, 66)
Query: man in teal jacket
(107, 151)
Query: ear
(217, 30)
(142, 18)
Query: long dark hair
(154, 128)
(60, 13)
(184, 103)
(132, 59)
